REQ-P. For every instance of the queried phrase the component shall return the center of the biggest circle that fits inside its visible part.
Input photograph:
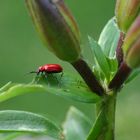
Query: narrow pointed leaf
(20, 121)
(76, 125)
(100, 57)
(98, 127)
(109, 38)
(113, 63)
(20, 89)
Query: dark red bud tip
(120, 77)
(119, 51)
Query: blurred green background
(22, 51)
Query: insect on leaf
(68, 87)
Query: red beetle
(49, 69)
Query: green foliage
(108, 41)
(12, 90)
(98, 127)
(76, 125)
(102, 64)
(109, 37)
(68, 87)
(20, 121)
(104, 54)
(65, 86)
(10, 135)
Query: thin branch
(84, 70)
(120, 77)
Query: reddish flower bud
(57, 27)
(131, 46)
(126, 12)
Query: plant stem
(104, 126)
(84, 70)
(108, 107)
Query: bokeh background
(22, 51)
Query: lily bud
(57, 27)
(131, 46)
(126, 12)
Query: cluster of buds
(128, 20)
(131, 46)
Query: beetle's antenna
(37, 72)
(33, 72)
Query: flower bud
(131, 46)
(126, 12)
(57, 27)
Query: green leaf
(68, 88)
(98, 127)
(76, 125)
(100, 57)
(20, 121)
(113, 63)
(20, 89)
(109, 38)
(10, 135)
(133, 75)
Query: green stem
(109, 111)
(104, 127)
